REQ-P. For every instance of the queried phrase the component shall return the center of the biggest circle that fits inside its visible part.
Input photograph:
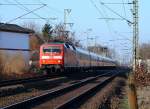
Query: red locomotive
(62, 56)
(51, 56)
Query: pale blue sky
(84, 16)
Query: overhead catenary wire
(129, 1)
(128, 21)
(104, 11)
(107, 18)
(23, 15)
(21, 6)
(116, 13)
(118, 3)
(104, 15)
(55, 9)
(99, 11)
(38, 18)
(27, 9)
(17, 4)
(52, 8)
(124, 8)
(123, 2)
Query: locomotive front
(51, 57)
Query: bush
(142, 77)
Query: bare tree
(31, 25)
(65, 36)
(59, 32)
(144, 51)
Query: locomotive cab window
(67, 45)
(52, 49)
(73, 47)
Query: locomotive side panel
(70, 58)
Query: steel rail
(77, 99)
(28, 80)
(24, 80)
(50, 94)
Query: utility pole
(66, 13)
(132, 89)
(135, 35)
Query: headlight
(59, 61)
(57, 57)
(45, 57)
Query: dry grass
(12, 64)
(114, 102)
(143, 97)
(1, 64)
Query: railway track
(26, 88)
(25, 80)
(52, 94)
(77, 100)
(28, 80)
(15, 90)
